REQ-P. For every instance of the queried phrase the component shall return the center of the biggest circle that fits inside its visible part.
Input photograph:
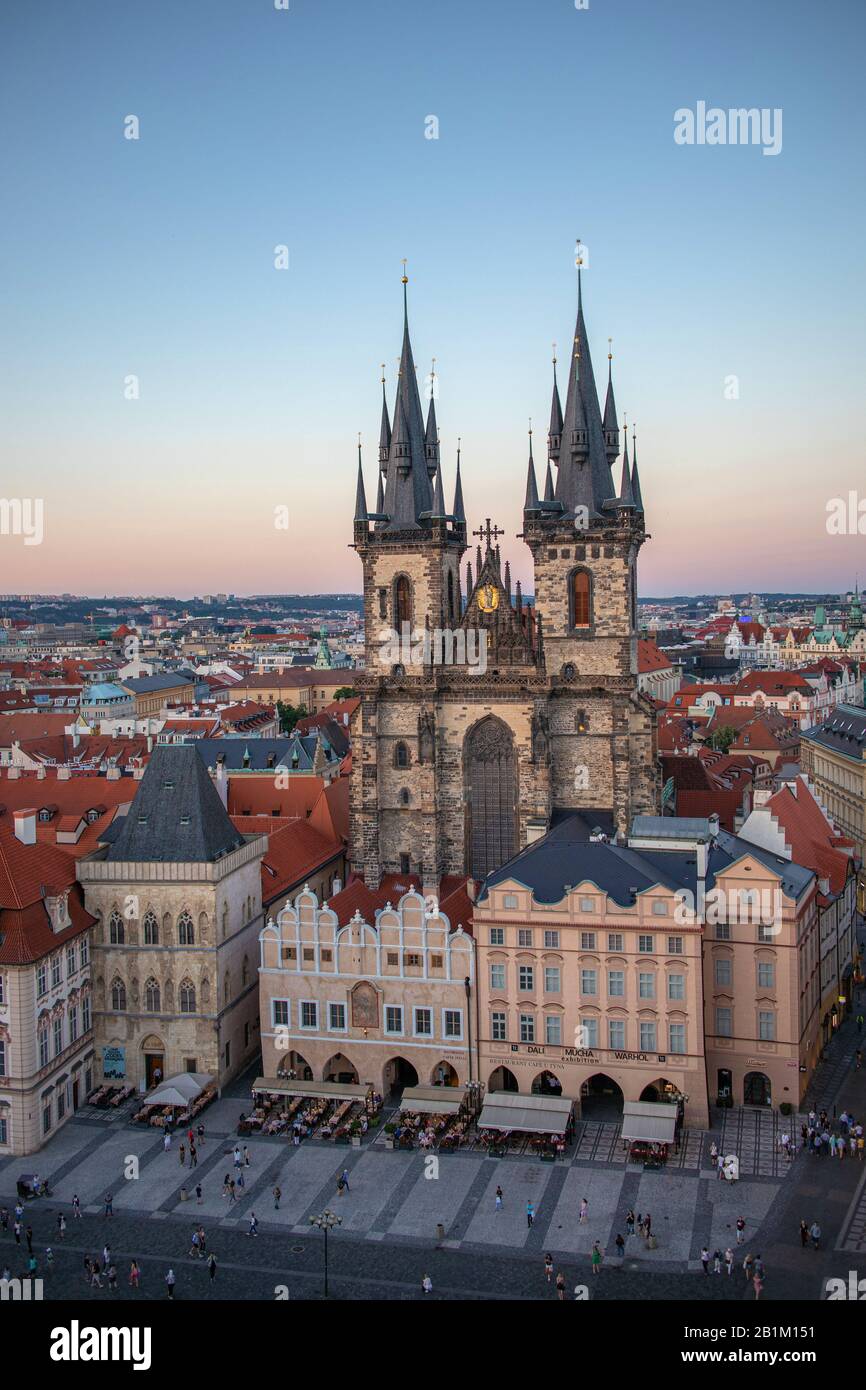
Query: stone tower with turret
(483, 717)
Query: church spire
(626, 496)
(611, 429)
(531, 502)
(548, 485)
(360, 496)
(554, 434)
(431, 433)
(408, 490)
(439, 512)
(459, 509)
(385, 427)
(635, 481)
(584, 470)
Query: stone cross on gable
(488, 533)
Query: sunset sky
(260, 127)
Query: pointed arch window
(451, 613)
(116, 931)
(118, 996)
(151, 929)
(186, 997)
(580, 599)
(401, 755)
(402, 601)
(151, 996)
(185, 930)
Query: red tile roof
(26, 872)
(649, 658)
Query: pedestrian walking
(76, 1207)
(166, 1145)
(647, 1225)
(106, 1254)
(815, 1233)
(705, 1260)
(195, 1247)
(237, 1157)
(804, 1235)
(212, 1266)
(182, 1152)
(341, 1184)
(741, 1230)
(200, 1134)
(584, 1209)
(134, 1274)
(714, 1152)
(198, 1194)
(32, 1267)
(28, 1236)
(548, 1267)
(202, 1240)
(170, 1282)
(596, 1257)
(19, 1212)
(112, 1277)
(254, 1225)
(729, 1261)
(277, 1195)
(87, 1269)
(427, 1284)
(717, 1262)
(16, 1231)
(749, 1266)
(109, 1205)
(757, 1284)
(193, 1156)
(232, 1193)
(190, 1134)
(49, 1258)
(859, 1023)
(629, 1222)
(345, 1176)
(95, 1281)
(560, 1286)
(246, 1157)
(620, 1246)
(61, 1226)
(4, 1218)
(242, 1182)
(720, 1167)
(530, 1214)
(498, 1206)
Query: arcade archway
(502, 1080)
(660, 1090)
(397, 1074)
(443, 1074)
(339, 1068)
(601, 1099)
(546, 1084)
(295, 1066)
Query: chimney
(113, 774)
(40, 773)
(25, 826)
(824, 886)
(337, 887)
(713, 822)
(64, 774)
(760, 796)
(76, 737)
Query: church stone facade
(482, 717)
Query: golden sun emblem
(488, 598)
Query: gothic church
(458, 763)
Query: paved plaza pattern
(409, 1197)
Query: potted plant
(389, 1136)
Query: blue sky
(305, 127)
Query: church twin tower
(483, 718)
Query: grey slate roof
(843, 731)
(177, 816)
(295, 753)
(165, 680)
(565, 855)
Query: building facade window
(587, 940)
(185, 930)
(393, 1018)
(616, 1033)
(616, 984)
(766, 975)
(676, 986)
(553, 1030)
(646, 985)
(116, 933)
(646, 945)
(186, 996)
(614, 941)
(424, 1023)
(647, 1036)
(280, 1013)
(497, 975)
(589, 1032)
(337, 1018)
(497, 936)
(118, 997)
(151, 930)
(588, 982)
(151, 997)
(766, 1025)
(677, 1037)
(551, 940)
(527, 1028)
(497, 1026)
(309, 1013)
(452, 1023)
(580, 599)
(723, 972)
(675, 945)
(724, 1022)
(526, 978)
(551, 979)
(524, 936)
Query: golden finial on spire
(383, 373)
(554, 354)
(625, 421)
(530, 424)
(405, 276)
(578, 254)
(609, 353)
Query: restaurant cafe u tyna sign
(528, 1054)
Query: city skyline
(713, 270)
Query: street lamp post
(326, 1221)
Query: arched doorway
(601, 1099)
(757, 1089)
(397, 1074)
(502, 1080)
(296, 1067)
(659, 1090)
(546, 1084)
(153, 1050)
(339, 1068)
(443, 1074)
(490, 780)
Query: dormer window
(57, 907)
